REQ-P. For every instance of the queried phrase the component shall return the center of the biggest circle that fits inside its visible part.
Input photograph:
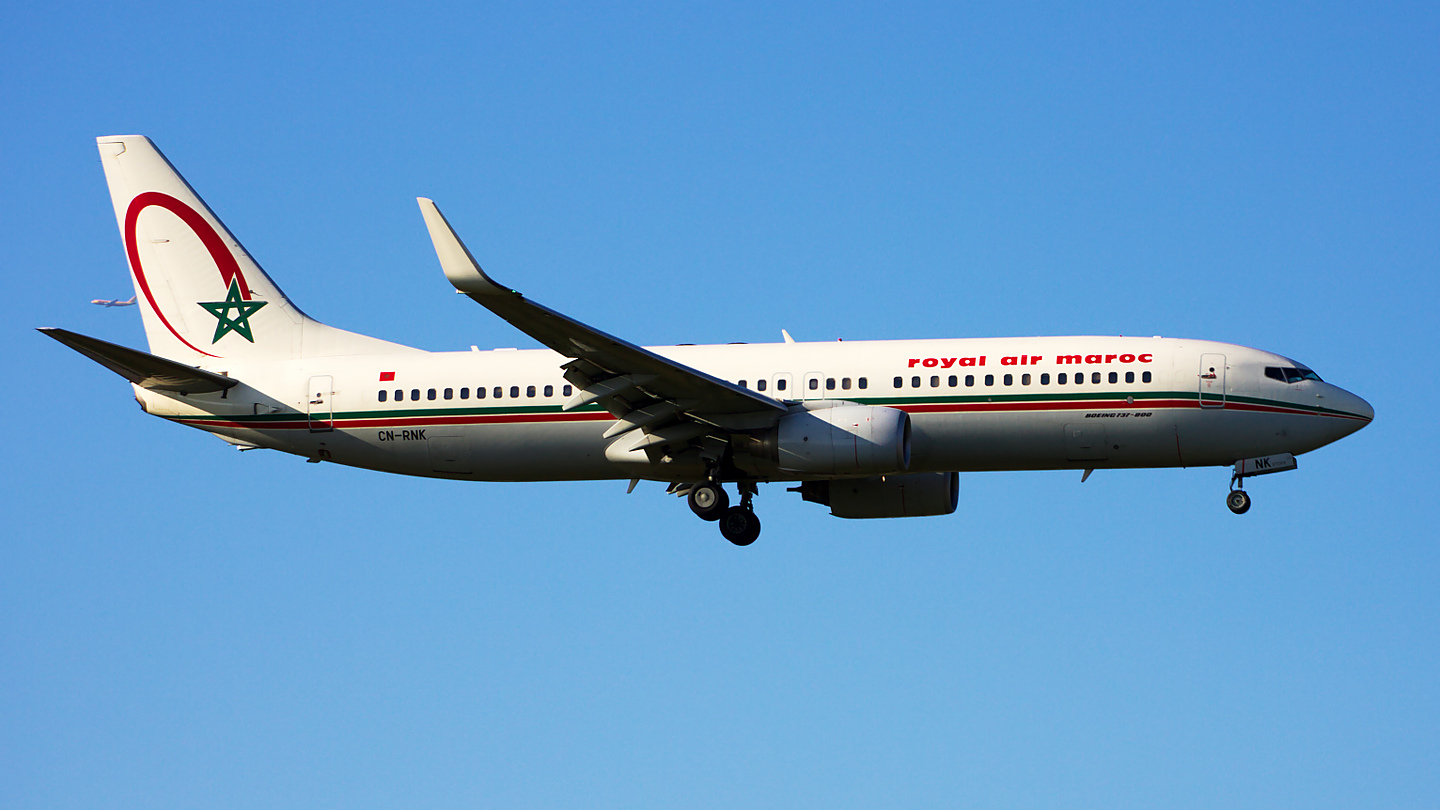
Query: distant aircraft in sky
(870, 429)
(105, 302)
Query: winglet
(460, 267)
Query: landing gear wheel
(740, 526)
(1238, 501)
(708, 501)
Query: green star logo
(240, 324)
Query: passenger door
(319, 396)
(814, 386)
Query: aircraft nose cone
(1351, 405)
(1364, 409)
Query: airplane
(871, 429)
(106, 302)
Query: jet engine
(887, 496)
(844, 440)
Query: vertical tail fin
(201, 295)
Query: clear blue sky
(182, 625)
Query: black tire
(1238, 501)
(708, 501)
(740, 526)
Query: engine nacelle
(844, 440)
(916, 495)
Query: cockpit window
(1291, 374)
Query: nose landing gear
(1237, 499)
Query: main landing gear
(738, 524)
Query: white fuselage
(974, 404)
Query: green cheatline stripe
(395, 413)
(1038, 399)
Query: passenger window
(934, 382)
(1009, 379)
(1024, 379)
(743, 384)
(1095, 377)
(780, 384)
(566, 390)
(1145, 376)
(864, 382)
(499, 392)
(845, 383)
(759, 385)
(479, 392)
(989, 379)
(415, 394)
(829, 383)
(464, 393)
(969, 380)
(899, 382)
(399, 394)
(1045, 379)
(814, 383)
(1061, 378)
(430, 394)
(383, 394)
(549, 390)
(514, 392)
(914, 382)
(530, 391)
(449, 393)
(1129, 376)
(1079, 377)
(954, 381)
(1114, 377)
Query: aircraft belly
(524, 452)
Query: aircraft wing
(143, 369)
(669, 402)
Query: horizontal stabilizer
(143, 369)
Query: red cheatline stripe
(405, 421)
(951, 407)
